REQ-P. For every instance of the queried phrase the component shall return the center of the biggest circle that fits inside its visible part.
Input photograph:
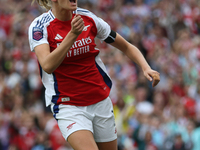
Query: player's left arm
(135, 55)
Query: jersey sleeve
(37, 34)
(103, 29)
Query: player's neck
(63, 15)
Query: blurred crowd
(166, 117)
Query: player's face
(68, 4)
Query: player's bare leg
(82, 140)
(108, 145)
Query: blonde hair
(44, 3)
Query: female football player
(77, 84)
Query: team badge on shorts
(37, 33)
(70, 126)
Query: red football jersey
(81, 79)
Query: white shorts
(97, 118)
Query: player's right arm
(49, 61)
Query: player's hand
(77, 25)
(152, 75)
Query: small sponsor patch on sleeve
(37, 33)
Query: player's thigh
(104, 122)
(107, 145)
(82, 140)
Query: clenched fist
(77, 24)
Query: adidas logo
(58, 37)
(85, 28)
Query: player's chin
(72, 9)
